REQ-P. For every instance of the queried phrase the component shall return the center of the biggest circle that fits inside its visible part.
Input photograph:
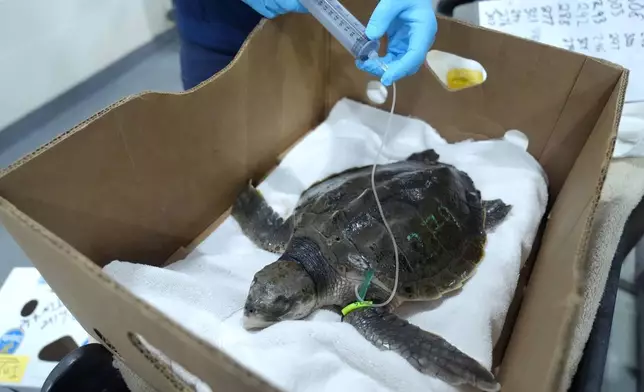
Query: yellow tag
(356, 305)
(458, 78)
(12, 367)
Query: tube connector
(373, 55)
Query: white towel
(206, 291)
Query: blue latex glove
(272, 8)
(411, 27)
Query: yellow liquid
(459, 78)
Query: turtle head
(280, 291)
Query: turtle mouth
(254, 323)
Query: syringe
(345, 28)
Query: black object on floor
(88, 369)
(639, 303)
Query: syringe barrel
(343, 26)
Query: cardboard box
(146, 178)
(36, 330)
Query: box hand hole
(163, 363)
(106, 342)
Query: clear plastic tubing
(344, 27)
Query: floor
(156, 67)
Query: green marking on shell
(431, 218)
(413, 235)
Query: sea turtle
(336, 236)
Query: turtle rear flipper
(427, 156)
(428, 353)
(495, 212)
(259, 222)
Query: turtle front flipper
(428, 353)
(259, 222)
(495, 212)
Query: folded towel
(206, 291)
(630, 135)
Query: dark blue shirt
(212, 31)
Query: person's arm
(410, 26)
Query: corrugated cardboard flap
(147, 175)
(541, 335)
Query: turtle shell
(433, 209)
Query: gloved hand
(272, 8)
(411, 27)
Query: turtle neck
(307, 253)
